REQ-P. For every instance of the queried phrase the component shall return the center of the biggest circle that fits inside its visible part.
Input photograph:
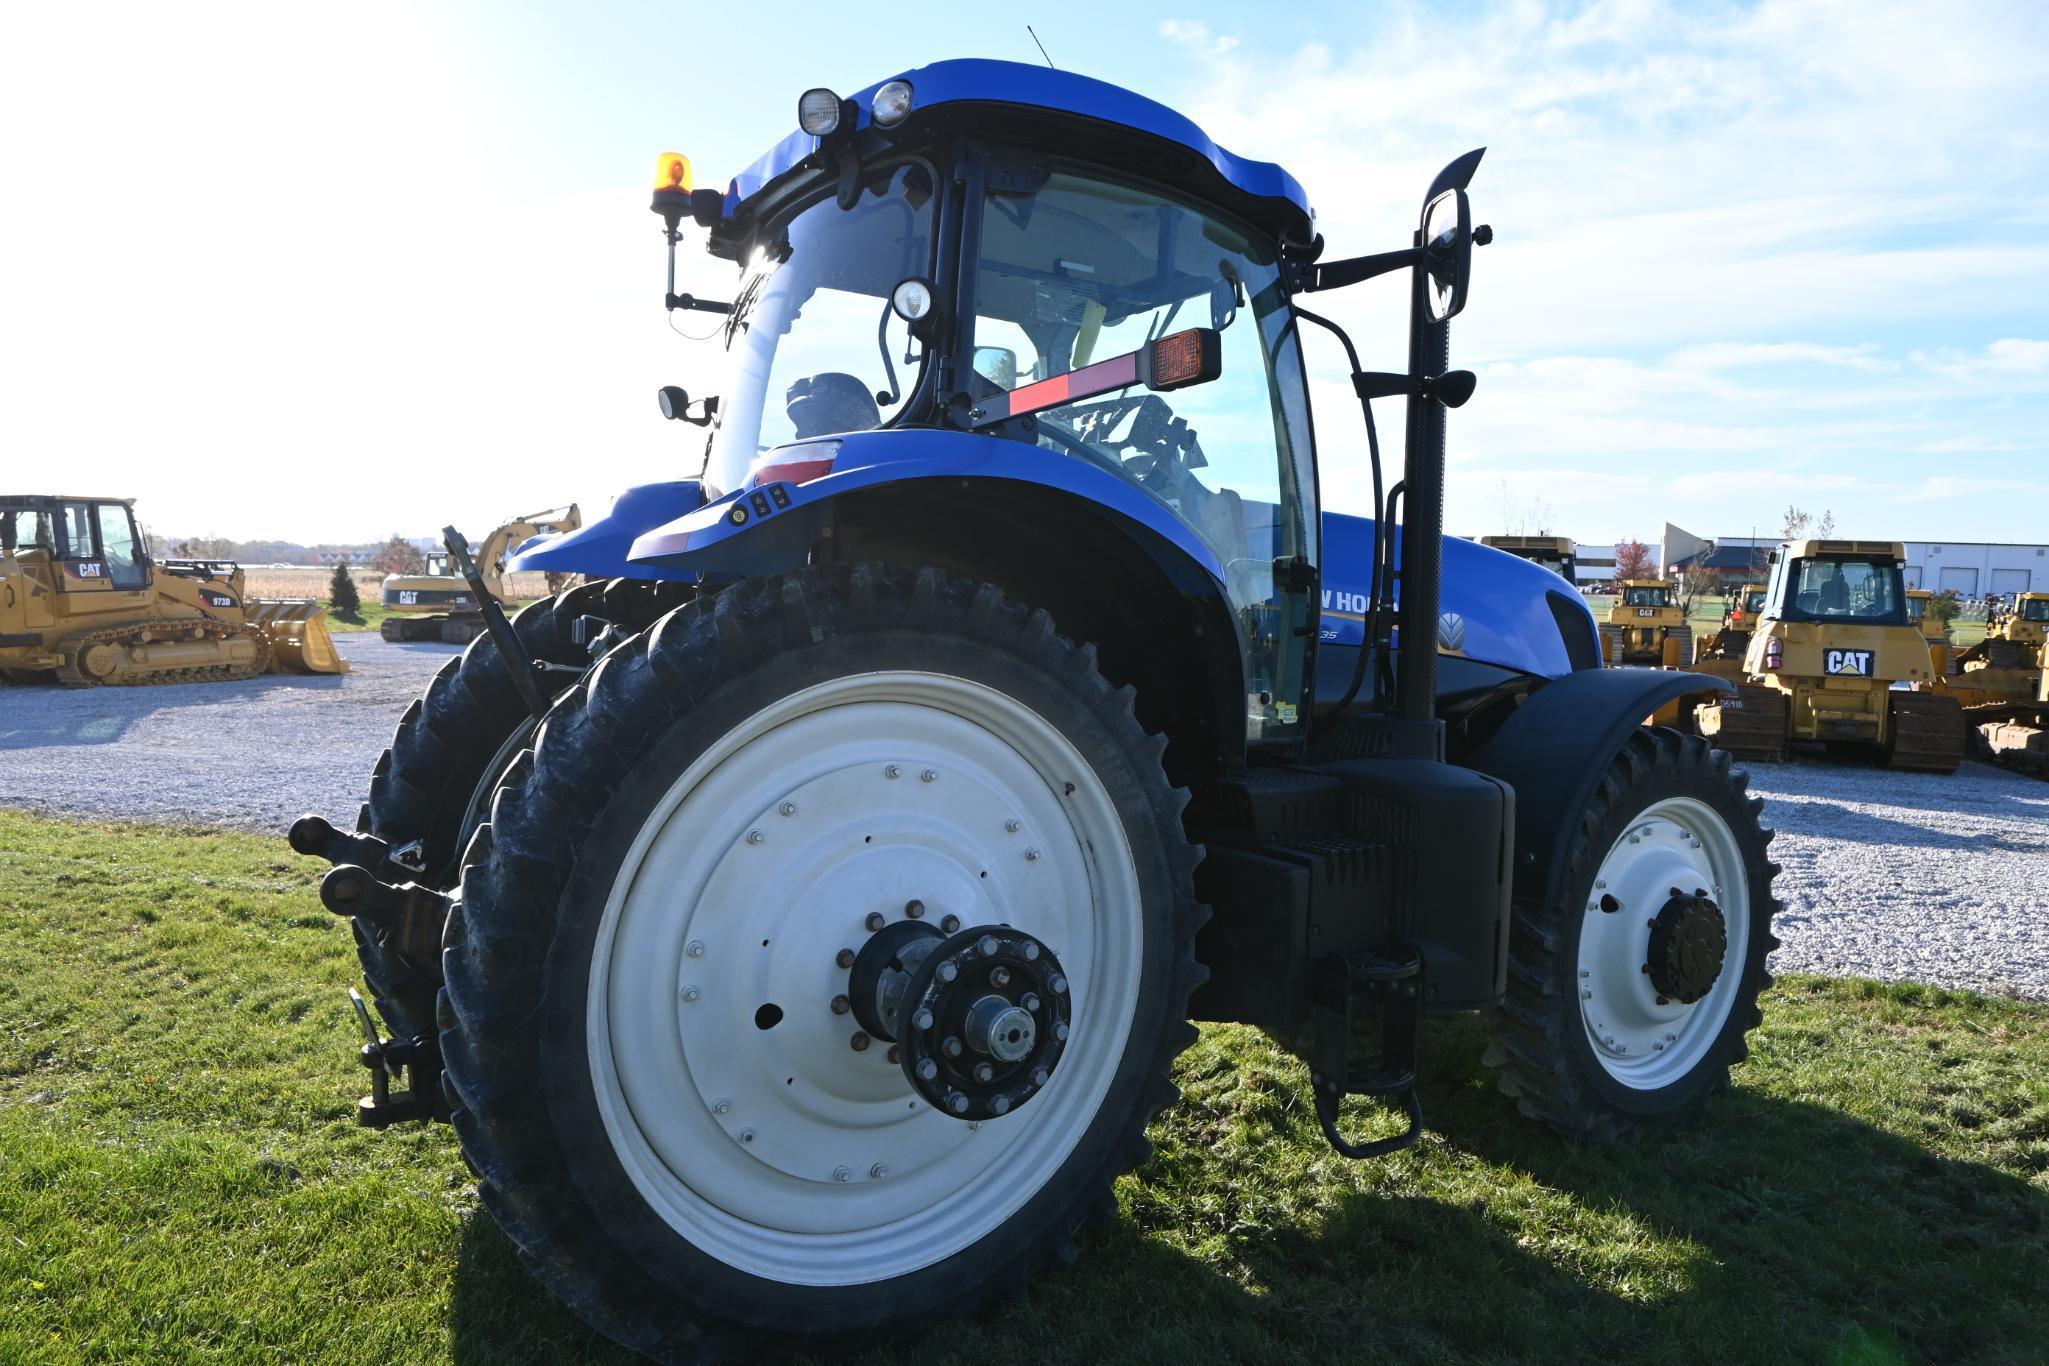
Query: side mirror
(1447, 253)
(998, 365)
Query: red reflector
(1189, 357)
(793, 464)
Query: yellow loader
(81, 598)
(1646, 625)
(1822, 664)
(438, 605)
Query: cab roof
(1028, 90)
(49, 502)
(1817, 550)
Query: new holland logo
(1851, 663)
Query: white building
(1970, 569)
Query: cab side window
(118, 547)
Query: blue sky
(334, 272)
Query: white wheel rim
(1679, 842)
(783, 1152)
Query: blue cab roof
(986, 81)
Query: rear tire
(430, 786)
(1589, 1041)
(695, 1186)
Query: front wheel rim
(732, 1090)
(1639, 1040)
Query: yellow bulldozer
(81, 598)
(1556, 553)
(2014, 637)
(1934, 630)
(1835, 658)
(1646, 625)
(438, 605)
(1720, 652)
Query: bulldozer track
(1753, 727)
(1999, 654)
(126, 675)
(1927, 733)
(2014, 735)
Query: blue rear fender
(600, 548)
(771, 529)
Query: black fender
(1554, 748)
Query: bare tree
(1693, 583)
(1825, 525)
(1796, 525)
(400, 556)
(1525, 516)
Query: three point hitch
(1389, 986)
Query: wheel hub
(1689, 940)
(979, 1018)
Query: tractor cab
(1556, 553)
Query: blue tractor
(799, 922)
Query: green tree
(341, 590)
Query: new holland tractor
(997, 703)
(1646, 625)
(1836, 659)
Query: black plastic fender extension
(1555, 747)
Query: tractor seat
(1835, 597)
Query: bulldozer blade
(299, 639)
(2016, 735)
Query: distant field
(312, 581)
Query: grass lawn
(181, 1177)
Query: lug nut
(951, 1048)
(877, 1172)
(1000, 977)
(755, 837)
(928, 776)
(950, 924)
(690, 993)
(1001, 1105)
(844, 958)
(984, 1073)
(1030, 1001)
(874, 921)
(895, 1054)
(842, 1174)
(747, 1135)
(891, 772)
(922, 1020)
(1013, 825)
(986, 946)
(1058, 984)
(914, 909)
(722, 1107)
(695, 948)
(860, 1042)
(927, 1070)
(1039, 1077)
(1031, 951)
(957, 1103)
(787, 809)
(947, 972)
(1060, 1031)
(841, 1005)
(1032, 854)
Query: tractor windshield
(1647, 597)
(1847, 590)
(816, 349)
(2035, 609)
(1086, 269)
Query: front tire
(1630, 995)
(686, 1135)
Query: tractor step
(417, 1062)
(1388, 984)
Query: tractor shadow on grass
(1776, 1231)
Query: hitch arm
(517, 661)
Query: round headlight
(818, 111)
(675, 403)
(892, 103)
(911, 299)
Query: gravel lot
(1901, 876)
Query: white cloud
(1193, 33)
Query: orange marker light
(672, 172)
(1190, 357)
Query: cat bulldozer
(2013, 732)
(2009, 656)
(82, 599)
(1646, 625)
(1720, 652)
(1920, 611)
(1556, 553)
(441, 605)
(812, 970)
(1834, 658)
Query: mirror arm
(1309, 277)
(692, 302)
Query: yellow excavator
(1556, 553)
(81, 598)
(1646, 625)
(1834, 657)
(438, 605)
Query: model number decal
(1847, 663)
(218, 600)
